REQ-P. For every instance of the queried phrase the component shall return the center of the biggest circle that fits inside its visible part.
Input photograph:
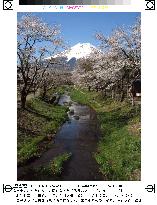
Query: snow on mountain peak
(80, 50)
(77, 51)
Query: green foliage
(28, 148)
(54, 115)
(85, 97)
(40, 119)
(119, 150)
(119, 155)
(56, 165)
(52, 170)
(50, 111)
(60, 90)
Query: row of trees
(116, 66)
(35, 41)
(111, 69)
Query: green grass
(56, 165)
(52, 170)
(50, 111)
(55, 115)
(85, 97)
(119, 150)
(39, 122)
(60, 90)
(28, 149)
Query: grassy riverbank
(119, 150)
(56, 165)
(36, 126)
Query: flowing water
(79, 136)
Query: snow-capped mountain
(76, 52)
(80, 50)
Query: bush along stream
(71, 155)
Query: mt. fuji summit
(76, 52)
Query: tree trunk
(122, 89)
(23, 98)
(132, 101)
(113, 93)
(122, 96)
(104, 93)
(127, 92)
(44, 92)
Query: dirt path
(79, 136)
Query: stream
(79, 135)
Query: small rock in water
(71, 112)
(70, 103)
(76, 117)
(65, 103)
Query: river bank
(119, 149)
(75, 142)
(94, 130)
(36, 127)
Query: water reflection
(79, 135)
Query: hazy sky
(81, 26)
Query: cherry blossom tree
(53, 78)
(114, 68)
(35, 40)
(123, 48)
